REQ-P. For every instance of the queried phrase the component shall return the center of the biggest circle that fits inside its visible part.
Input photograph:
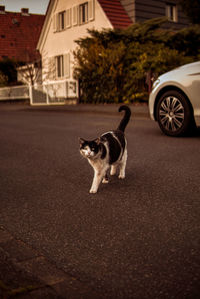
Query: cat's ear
(98, 140)
(81, 141)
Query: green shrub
(114, 65)
(8, 72)
(3, 79)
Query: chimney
(2, 9)
(25, 12)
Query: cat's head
(89, 149)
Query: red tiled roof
(116, 13)
(19, 35)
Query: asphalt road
(136, 238)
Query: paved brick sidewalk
(25, 273)
(140, 110)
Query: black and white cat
(109, 150)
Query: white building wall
(54, 43)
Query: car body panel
(185, 78)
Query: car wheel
(173, 113)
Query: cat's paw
(92, 191)
(112, 172)
(121, 176)
(105, 181)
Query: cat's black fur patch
(103, 151)
(114, 144)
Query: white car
(175, 100)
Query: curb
(139, 110)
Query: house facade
(143, 10)
(68, 20)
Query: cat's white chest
(96, 164)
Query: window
(83, 13)
(76, 15)
(61, 20)
(62, 66)
(171, 12)
(59, 66)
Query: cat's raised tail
(126, 117)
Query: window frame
(80, 14)
(62, 66)
(62, 20)
(59, 66)
(172, 12)
(83, 13)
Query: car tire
(174, 114)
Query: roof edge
(46, 21)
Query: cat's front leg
(96, 181)
(98, 176)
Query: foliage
(102, 71)
(8, 70)
(186, 41)
(115, 65)
(3, 79)
(151, 60)
(191, 10)
(8, 73)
